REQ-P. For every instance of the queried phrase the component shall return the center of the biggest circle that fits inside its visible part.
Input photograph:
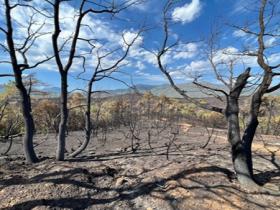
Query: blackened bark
(241, 152)
(247, 140)
(253, 122)
(28, 147)
(60, 153)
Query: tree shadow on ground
(264, 177)
(160, 151)
(129, 192)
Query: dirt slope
(110, 176)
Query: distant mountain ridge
(191, 89)
(165, 89)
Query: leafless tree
(11, 131)
(172, 139)
(240, 143)
(85, 8)
(210, 135)
(98, 74)
(20, 61)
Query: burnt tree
(241, 143)
(64, 69)
(99, 72)
(20, 62)
(85, 8)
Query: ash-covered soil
(109, 175)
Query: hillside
(164, 89)
(110, 176)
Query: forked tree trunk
(60, 153)
(240, 147)
(240, 151)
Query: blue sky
(192, 21)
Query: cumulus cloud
(226, 55)
(186, 51)
(94, 28)
(188, 12)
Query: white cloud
(197, 66)
(188, 12)
(130, 36)
(180, 52)
(140, 65)
(226, 55)
(94, 28)
(270, 42)
(239, 33)
(274, 59)
(150, 77)
(179, 75)
(186, 51)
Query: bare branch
(39, 63)
(210, 88)
(272, 89)
(7, 75)
(33, 8)
(3, 30)
(163, 69)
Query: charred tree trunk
(253, 122)
(240, 147)
(88, 123)
(241, 152)
(247, 140)
(242, 163)
(25, 98)
(60, 153)
(28, 147)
